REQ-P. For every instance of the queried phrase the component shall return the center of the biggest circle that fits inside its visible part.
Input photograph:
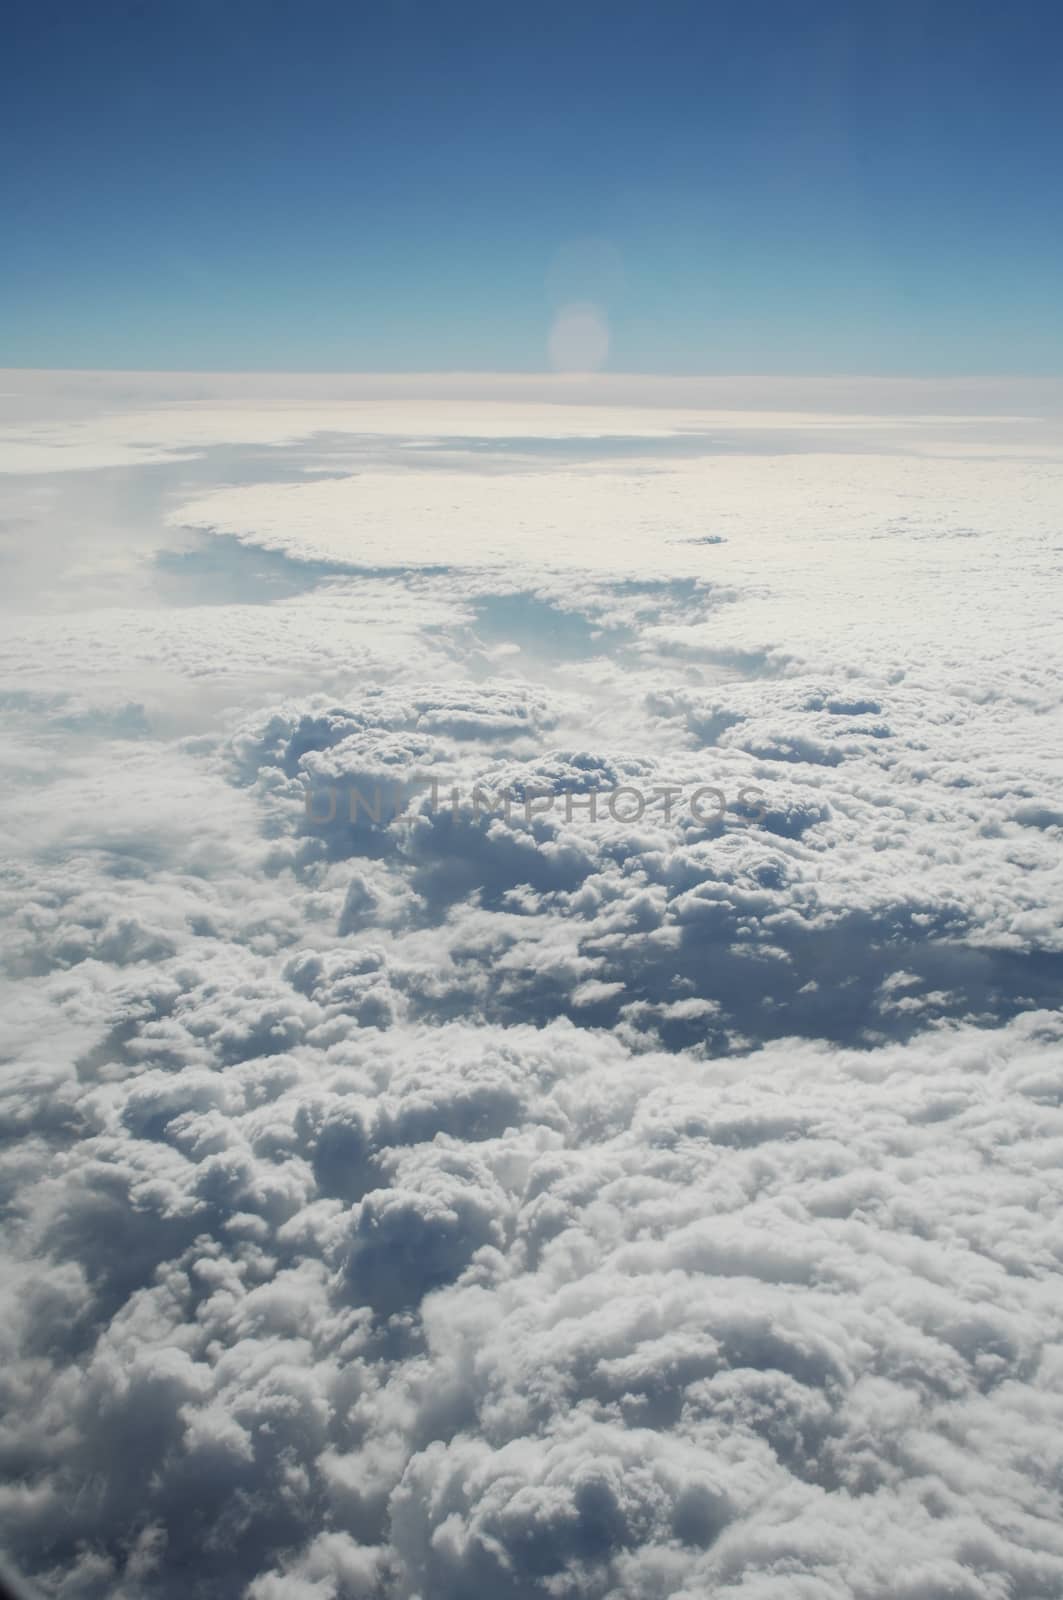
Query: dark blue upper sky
(769, 186)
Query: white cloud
(634, 1205)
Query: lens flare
(579, 338)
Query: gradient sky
(766, 187)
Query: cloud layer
(595, 1201)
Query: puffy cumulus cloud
(781, 896)
(437, 1310)
(532, 1023)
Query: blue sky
(767, 187)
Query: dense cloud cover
(604, 1193)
